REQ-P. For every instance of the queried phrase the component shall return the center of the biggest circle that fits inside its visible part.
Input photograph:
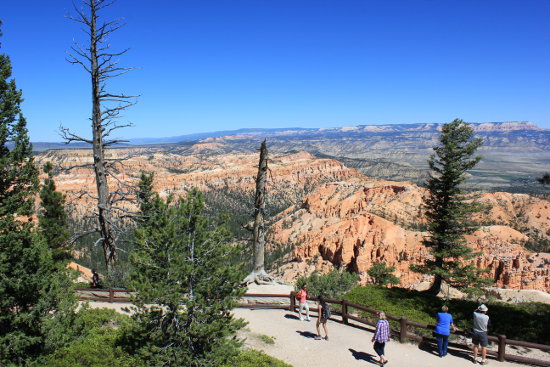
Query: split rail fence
(349, 311)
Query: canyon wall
(356, 223)
(340, 218)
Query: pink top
(302, 296)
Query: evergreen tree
(146, 197)
(448, 211)
(18, 174)
(34, 301)
(185, 288)
(53, 218)
(545, 179)
(382, 274)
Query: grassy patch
(267, 339)
(524, 321)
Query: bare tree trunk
(258, 274)
(102, 65)
(103, 204)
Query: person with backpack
(301, 296)
(323, 312)
(381, 336)
(95, 279)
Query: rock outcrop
(357, 223)
(340, 217)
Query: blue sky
(208, 65)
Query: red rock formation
(348, 220)
(341, 224)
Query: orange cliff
(176, 172)
(356, 223)
(346, 220)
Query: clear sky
(208, 65)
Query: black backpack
(325, 311)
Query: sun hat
(482, 308)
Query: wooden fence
(349, 311)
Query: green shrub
(97, 349)
(255, 358)
(524, 321)
(332, 285)
(267, 339)
(96, 344)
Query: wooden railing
(349, 312)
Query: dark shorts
(480, 339)
(379, 348)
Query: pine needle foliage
(382, 274)
(185, 286)
(449, 211)
(52, 217)
(35, 296)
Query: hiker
(479, 333)
(95, 279)
(323, 314)
(443, 329)
(381, 336)
(301, 296)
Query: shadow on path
(432, 349)
(292, 317)
(363, 356)
(306, 334)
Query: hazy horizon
(218, 65)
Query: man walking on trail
(301, 296)
(479, 333)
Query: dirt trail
(347, 346)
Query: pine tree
(53, 218)
(18, 174)
(146, 197)
(382, 274)
(545, 179)
(448, 211)
(34, 301)
(184, 286)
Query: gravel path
(347, 346)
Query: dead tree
(258, 274)
(102, 65)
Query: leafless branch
(69, 137)
(81, 235)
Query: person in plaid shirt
(381, 336)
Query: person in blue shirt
(443, 329)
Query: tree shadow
(306, 334)
(367, 357)
(292, 317)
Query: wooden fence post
(403, 330)
(292, 306)
(345, 312)
(111, 295)
(501, 348)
